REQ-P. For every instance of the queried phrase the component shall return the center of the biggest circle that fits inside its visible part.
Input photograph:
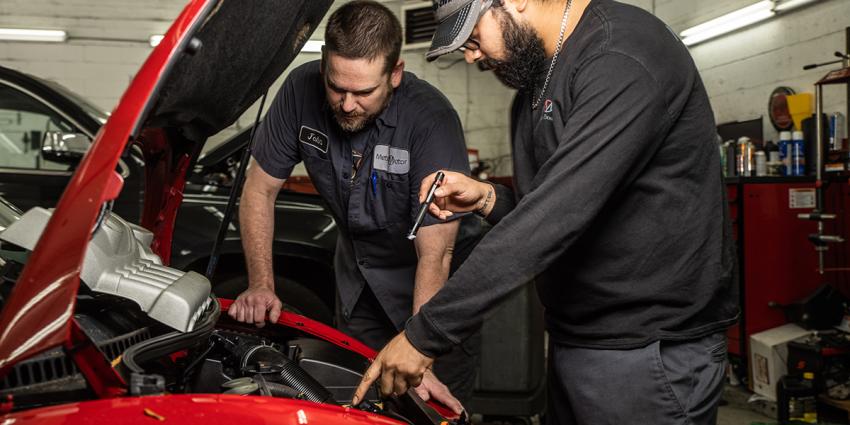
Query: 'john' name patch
(314, 138)
(391, 160)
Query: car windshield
(87, 106)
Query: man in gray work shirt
(618, 209)
(368, 133)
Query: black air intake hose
(265, 359)
(297, 378)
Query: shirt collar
(390, 115)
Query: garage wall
(108, 42)
(741, 69)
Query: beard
(354, 122)
(525, 57)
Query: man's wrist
(485, 205)
(261, 284)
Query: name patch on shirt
(314, 138)
(391, 160)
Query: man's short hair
(364, 29)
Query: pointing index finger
(372, 374)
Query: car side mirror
(66, 148)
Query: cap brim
(454, 30)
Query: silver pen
(423, 207)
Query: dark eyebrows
(339, 89)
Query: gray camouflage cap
(455, 21)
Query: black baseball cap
(455, 22)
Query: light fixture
(155, 40)
(791, 4)
(729, 22)
(313, 46)
(20, 34)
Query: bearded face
(524, 58)
(357, 89)
(357, 119)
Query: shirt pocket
(392, 198)
(320, 170)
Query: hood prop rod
(235, 189)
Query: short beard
(525, 57)
(353, 123)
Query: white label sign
(801, 198)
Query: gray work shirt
(417, 134)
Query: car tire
(295, 297)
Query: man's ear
(323, 61)
(397, 72)
(519, 5)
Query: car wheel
(295, 297)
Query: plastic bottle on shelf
(797, 154)
(772, 151)
(784, 142)
(761, 163)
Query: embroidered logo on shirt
(314, 138)
(547, 110)
(391, 160)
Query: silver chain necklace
(555, 57)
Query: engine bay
(163, 332)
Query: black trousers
(370, 324)
(664, 383)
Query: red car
(96, 327)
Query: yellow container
(800, 108)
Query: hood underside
(245, 45)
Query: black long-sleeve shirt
(619, 209)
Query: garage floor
(734, 415)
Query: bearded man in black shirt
(617, 211)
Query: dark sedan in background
(44, 130)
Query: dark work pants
(664, 383)
(370, 324)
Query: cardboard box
(768, 353)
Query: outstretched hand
(398, 366)
(457, 193)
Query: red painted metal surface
(38, 313)
(779, 263)
(103, 379)
(201, 409)
(327, 333)
(316, 329)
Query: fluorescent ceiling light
(313, 46)
(156, 39)
(728, 22)
(19, 34)
(791, 4)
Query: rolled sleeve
(276, 141)
(437, 146)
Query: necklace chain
(555, 56)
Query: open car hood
(217, 58)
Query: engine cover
(119, 262)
